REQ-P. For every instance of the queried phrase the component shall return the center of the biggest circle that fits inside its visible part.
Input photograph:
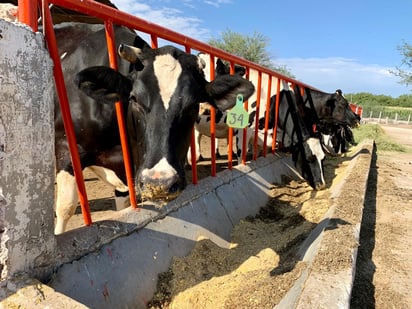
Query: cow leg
(108, 176)
(217, 153)
(197, 148)
(66, 201)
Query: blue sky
(349, 45)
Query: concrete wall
(26, 152)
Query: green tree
(250, 47)
(405, 74)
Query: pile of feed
(263, 265)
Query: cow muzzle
(161, 182)
(319, 186)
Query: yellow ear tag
(238, 117)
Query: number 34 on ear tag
(238, 117)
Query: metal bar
(275, 129)
(153, 41)
(230, 132)
(27, 13)
(265, 137)
(212, 122)
(111, 48)
(230, 151)
(118, 17)
(245, 130)
(65, 110)
(192, 144)
(258, 96)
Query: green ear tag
(237, 117)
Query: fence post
(27, 13)
(27, 240)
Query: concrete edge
(321, 288)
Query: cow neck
(312, 105)
(298, 128)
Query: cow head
(162, 94)
(308, 159)
(332, 108)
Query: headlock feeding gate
(111, 16)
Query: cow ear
(103, 84)
(224, 89)
(220, 67)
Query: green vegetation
(386, 105)
(375, 132)
(403, 71)
(250, 47)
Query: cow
(202, 124)
(292, 133)
(336, 137)
(314, 106)
(160, 89)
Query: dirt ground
(263, 265)
(384, 267)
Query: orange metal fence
(109, 16)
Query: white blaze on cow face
(167, 71)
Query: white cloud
(167, 17)
(333, 73)
(217, 3)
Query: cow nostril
(174, 188)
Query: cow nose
(160, 182)
(319, 186)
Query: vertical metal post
(230, 132)
(27, 13)
(258, 96)
(265, 137)
(275, 129)
(245, 130)
(65, 110)
(212, 121)
(192, 143)
(111, 48)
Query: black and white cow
(160, 89)
(336, 137)
(202, 123)
(312, 107)
(295, 136)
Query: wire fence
(387, 116)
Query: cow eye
(133, 100)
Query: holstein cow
(292, 133)
(335, 137)
(160, 89)
(202, 124)
(329, 108)
(315, 106)
(334, 126)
